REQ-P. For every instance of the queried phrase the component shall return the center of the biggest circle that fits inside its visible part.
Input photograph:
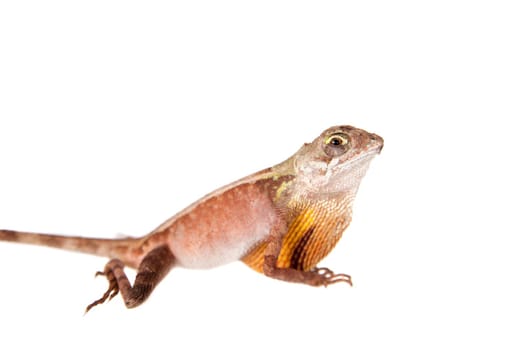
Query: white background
(114, 115)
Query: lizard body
(280, 221)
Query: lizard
(280, 221)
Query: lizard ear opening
(336, 144)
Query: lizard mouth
(370, 153)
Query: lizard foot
(112, 290)
(326, 277)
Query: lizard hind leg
(152, 269)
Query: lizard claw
(110, 292)
(327, 276)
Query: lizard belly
(223, 228)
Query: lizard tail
(112, 248)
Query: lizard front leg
(152, 269)
(315, 277)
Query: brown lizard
(280, 221)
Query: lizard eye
(336, 144)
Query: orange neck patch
(312, 234)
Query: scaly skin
(280, 221)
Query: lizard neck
(314, 226)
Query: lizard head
(337, 160)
